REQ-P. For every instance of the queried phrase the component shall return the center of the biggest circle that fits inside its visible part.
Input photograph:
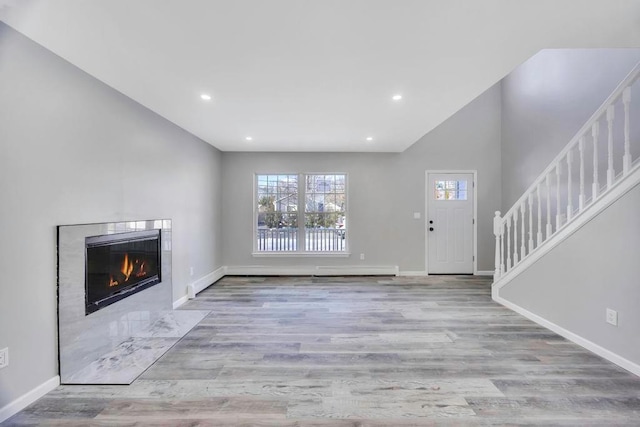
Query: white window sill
(301, 254)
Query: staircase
(597, 166)
(584, 205)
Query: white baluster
(581, 196)
(610, 171)
(497, 226)
(523, 248)
(502, 270)
(569, 193)
(515, 237)
(595, 132)
(530, 222)
(508, 221)
(558, 209)
(626, 159)
(539, 236)
(549, 229)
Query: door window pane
(451, 190)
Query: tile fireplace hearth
(115, 315)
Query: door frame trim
(475, 215)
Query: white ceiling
(313, 75)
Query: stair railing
(605, 146)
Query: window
(277, 217)
(285, 201)
(451, 190)
(324, 212)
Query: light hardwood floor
(359, 351)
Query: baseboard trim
(347, 270)
(577, 339)
(28, 398)
(426, 273)
(180, 301)
(413, 273)
(484, 273)
(205, 281)
(319, 270)
(265, 270)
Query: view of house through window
(284, 202)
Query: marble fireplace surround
(117, 343)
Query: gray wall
(546, 101)
(76, 151)
(594, 269)
(384, 191)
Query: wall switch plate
(191, 271)
(416, 215)
(4, 357)
(612, 317)
(361, 256)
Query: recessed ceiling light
(369, 138)
(205, 97)
(249, 138)
(397, 97)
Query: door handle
(430, 228)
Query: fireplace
(120, 265)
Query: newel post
(497, 231)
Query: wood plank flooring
(357, 351)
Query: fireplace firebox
(120, 265)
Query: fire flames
(135, 268)
(127, 267)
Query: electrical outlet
(4, 357)
(362, 257)
(612, 317)
(416, 215)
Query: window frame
(301, 212)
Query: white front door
(450, 219)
